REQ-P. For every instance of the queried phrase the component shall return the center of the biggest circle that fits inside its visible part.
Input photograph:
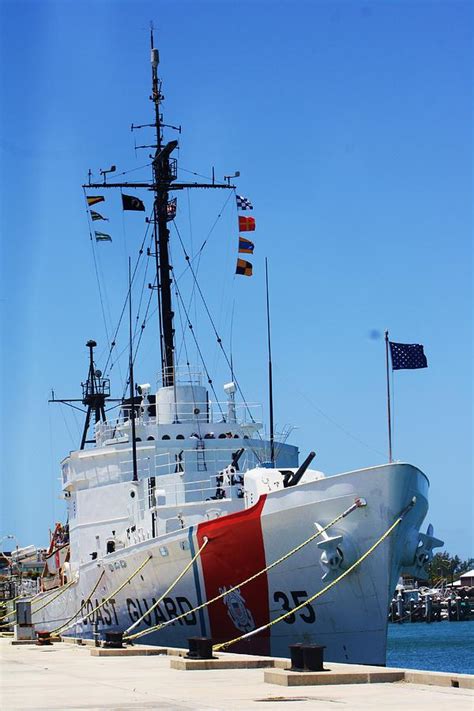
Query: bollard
(296, 654)
(307, 657)
(200, 648)
(113, 640)
(313, 657)
(43, 638)
(192, 647)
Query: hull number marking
(306, 613)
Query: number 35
(298, 597)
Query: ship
(185, 520)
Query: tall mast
(164, 172)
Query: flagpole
(388, 400)
(132, 382)
(270, 376)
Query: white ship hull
(350, 619)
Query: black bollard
(199, 648)
(296, 654)
(113, 640)
(313, 657)
(192, 647)
(43, 638)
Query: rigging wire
(142, 292)
(114, 341)
(140, 335)
(133, 170)
(190, 326)
(206, 239)
(196, 256)
(219, 339)
(330, 419)
(192, 172)
(96, 270)
(67, 427)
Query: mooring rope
(106, 600)
(224, 645)
(13, 612)
(54, 597)
(173, 584)
(58, 629)
(357, 504)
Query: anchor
(426, 543)
(423, 553)
(332, 556)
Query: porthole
(166, 437)
(180, 436)
(132, 494)
(150, 439)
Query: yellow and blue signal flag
(245, 246)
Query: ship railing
(186, 462)
(162, 470)
(183, 375)
(211, 460)
(214, 420)
(187, 492)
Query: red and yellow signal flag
(246, 224)
(94, 199)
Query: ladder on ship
(201, 456)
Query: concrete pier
(71, 676)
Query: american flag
(407, 356)
(243, 203)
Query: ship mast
(164, 172)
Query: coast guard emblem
(237, 611)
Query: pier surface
(68, 676)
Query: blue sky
(351, 126)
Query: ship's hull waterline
(350, 619)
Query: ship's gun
(293, 478)
(229, 477)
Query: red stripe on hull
(234, 553)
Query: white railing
(216, 423)
(166, 463)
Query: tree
(447, 567)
